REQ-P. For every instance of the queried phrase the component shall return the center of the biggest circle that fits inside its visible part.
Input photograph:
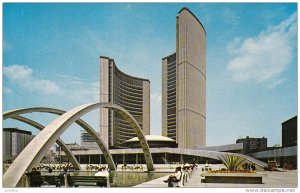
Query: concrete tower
(184, 84)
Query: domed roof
(152, 138)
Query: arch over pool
(80, 122)
(38, 147)
(64, 147)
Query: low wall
(233, 178)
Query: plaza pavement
(287, 179)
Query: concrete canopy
(38, 147)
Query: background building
(289, 132)
(87, 141)
(285, 156)
(251, 144)
(131, 93)
(14, 141)
(184, 84)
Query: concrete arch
(80, 122)
(35, 150)
(64, 147)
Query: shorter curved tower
(129, 92)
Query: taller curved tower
(131, 93)
(184, 84)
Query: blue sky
(51, 58)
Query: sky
(51, 59)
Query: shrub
(231, 162)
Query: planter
(233, 178)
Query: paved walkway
(157, 183)
(274, 179)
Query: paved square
(287, 179)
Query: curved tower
(131, 93)
(184, 84)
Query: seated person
(50, 170)
(34, 172)
(174, 179)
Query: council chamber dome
(153, 141)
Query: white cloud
(72, 88)
(264, 57)
(156, 97)
(22, 76)
(276, 83)
(17, 72)
(79, 90)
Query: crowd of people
(60, 167)
(249, 167)
(133, 167)
(96, 168)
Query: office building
(131, 93)
(289, 132)
(87, 141)
(252, 145)
(14, 141)
(285, 156)
(184, 84)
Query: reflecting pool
(129, 179)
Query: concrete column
(79, 158)
(136, 158)
(123, 159)
(181, 159)
(27, 183)
(89, 159)
(166, 159)
(66, 180)
(60, 155)
(100, 159)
